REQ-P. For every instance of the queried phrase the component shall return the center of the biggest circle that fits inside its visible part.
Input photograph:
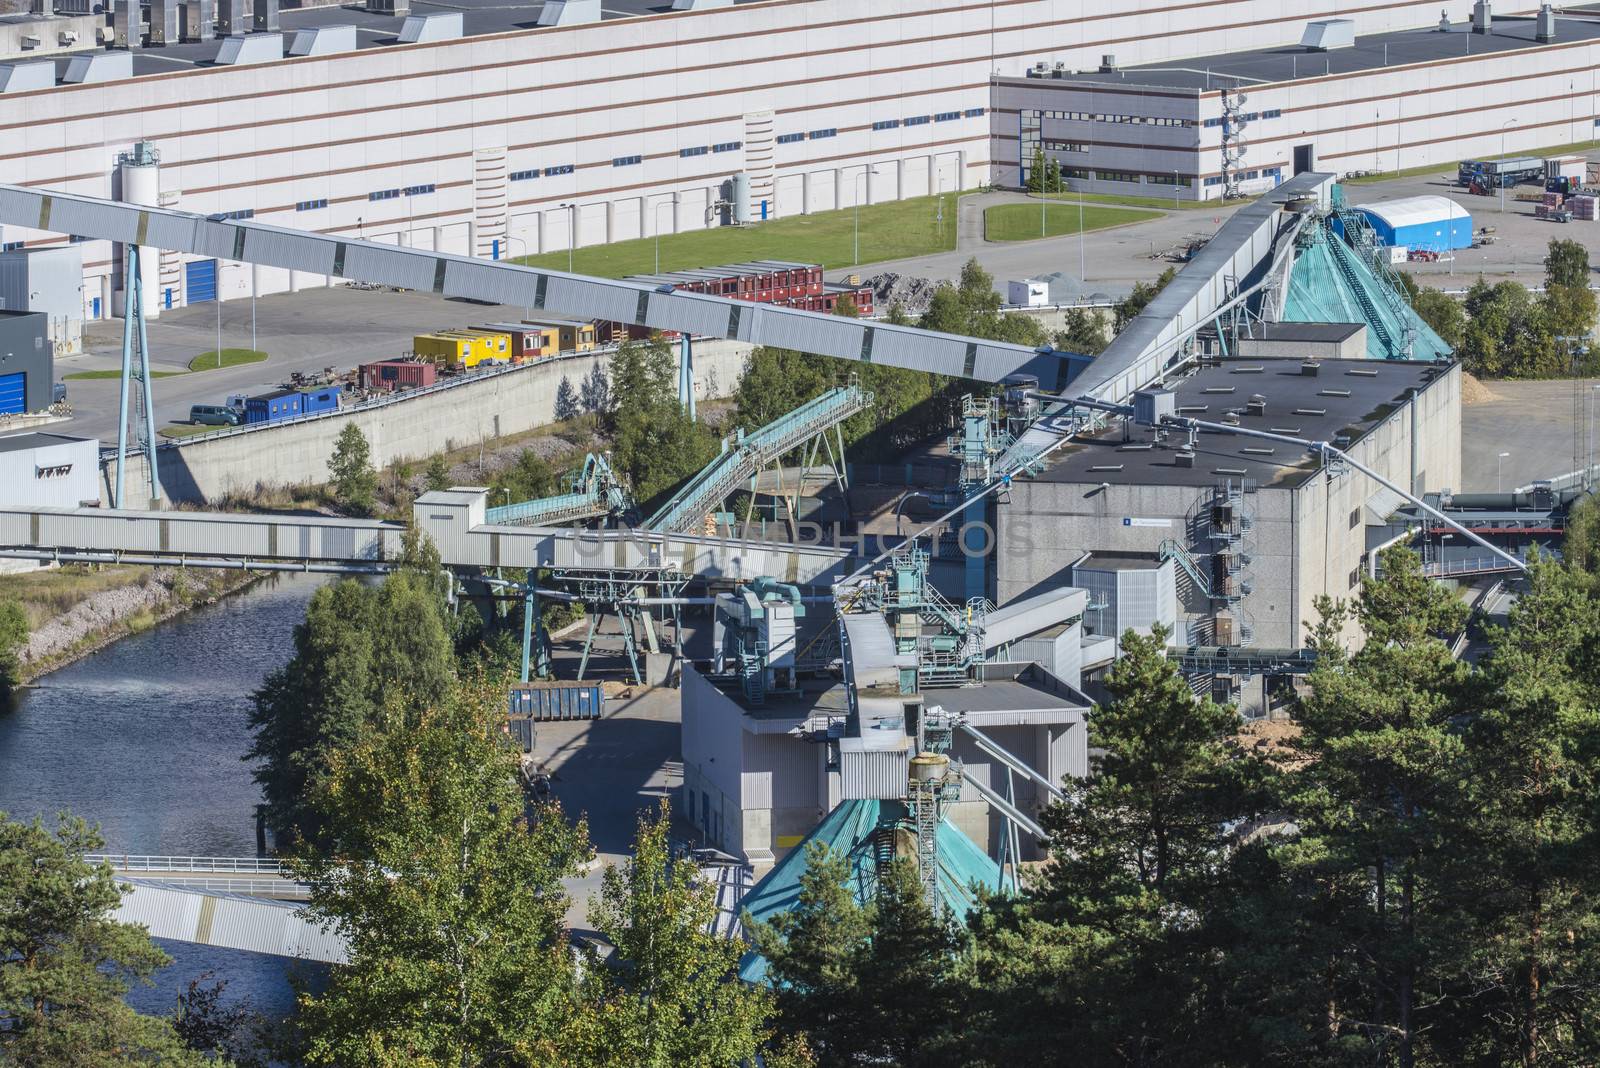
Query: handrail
(146, 862)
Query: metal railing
(283, 889)
(143, 863)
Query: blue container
(325, 399)
(271, 407)
(545, 703)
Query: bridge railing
(141, 863)
(282, 889)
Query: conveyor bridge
(596, 490)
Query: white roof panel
(1415, 211)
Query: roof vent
(1444, 22)
(98, 67)
(42, 8)
(438, 26)
(1309, 368)
(1482, 17)
(243, 49)
(700, 5)
(20, 77)
(1325, 35)
(569, 12)
(1544, 26)
(1184, 457)
(1257, 405)
(1108, 63)
(323, 41)
(396, 8)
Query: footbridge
(455, 520)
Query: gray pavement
(305, 331)
(1548, 428)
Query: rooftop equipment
(264, 19)
(98, 67)
(20, 77)
(569, 12)
(754, 637)
(1325, 35)
(233, 17)
(1482, 17)
(163, 23)
(1544, 26)
(396, 8)
(323, 41)
(439, 26)
(700, 5)
(244, 49)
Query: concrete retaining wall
(412, 428)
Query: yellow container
(574, 336)
(487, 346)
(446, 350)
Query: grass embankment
(1022, 222)
(1159, 203)
(889, 231)
(188, 430)
(207, 361)
(88, 375)
(47, 594)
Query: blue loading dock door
(200, 281)
(13, 393)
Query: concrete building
(1398, 96)
(27, 364)
(520, 139)
(48, 280)
(49, 471)
(1250, 531)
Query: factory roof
(1344, 398)
(1287, 63)
(24, 442)
(375, 30)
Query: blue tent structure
(851, 829)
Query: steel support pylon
(686, 375)
(135, 338)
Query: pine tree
(437, 476)
(594, 394)
(65, 963)
(567, 405)
(1035, 182)
(355, 483)
(668, 995)
(449, 897)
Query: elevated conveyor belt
(596, 491)
(745, 455)
(552, 292)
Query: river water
(146, 737)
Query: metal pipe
(1011, 812)
(1017, 764)
(220, 563)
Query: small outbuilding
(1427, 223)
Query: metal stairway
(744, 455)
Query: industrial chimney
(1482, 18)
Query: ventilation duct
(323, 41)
(265, 16)
(163, 22)
(42, 8)
(440, 26)
(1327, 34)
(199, 19)
(233, 17)
(1482, 18)
(397, 8)
(20, 77)
(1545, 25)
(98, 67)
(1108, 64)
(569, 12)
(243, 49)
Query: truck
(1481, 175)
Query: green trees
(359, 650)
(449, 898)
(655, 441)
(1512, 334)
(1566, 263)
(1129, 307)
(668, 996)
(355, 483)
(1036, 171)
(65, 964)
(1443, 313)
(437, 475)
(529, 478)
(13, 636)
(1084, 331)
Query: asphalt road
(303, 331)
(1547, 428)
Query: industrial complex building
(524, 129)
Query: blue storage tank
(271, 407)
(325, 399)
(1429, 223)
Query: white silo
(140, 173)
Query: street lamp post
(1499, 466)
(1500, 179)
(865, 170)
(1174, 190)
(572, 232)
(218, 299)
(657, 224)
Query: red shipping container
(390, 375)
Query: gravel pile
(912, 294)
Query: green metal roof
(848, 829)
(1329, 283)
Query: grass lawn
(889, 231)
(207, 361)
(117, 374)
(1164, 204)
(186, 430)
(1021, 222)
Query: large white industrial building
(519, 139)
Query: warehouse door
(13, 393)
(200, 281)
(1304, 159)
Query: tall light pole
(1499, 465)
(218, 299)
(1588, 471)
(865, 170)
(656, 223)
(572, 232)
(1500, 179)
(1174, 190)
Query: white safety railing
(149, 863)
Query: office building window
(818, 135)
(728, 146)
(886, 124)
(419, 190)
(241, 213)
(919, 120)
(1271, 113)
(523, 176)
(947, 116)
(565, 168)
(698, 150)
(311, 205)
(789, 139)
(384, 194)
(11, 246)
(976, 113)
(627, 161)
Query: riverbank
(79, 609)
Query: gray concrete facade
(25, 348)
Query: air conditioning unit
(67, 38)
